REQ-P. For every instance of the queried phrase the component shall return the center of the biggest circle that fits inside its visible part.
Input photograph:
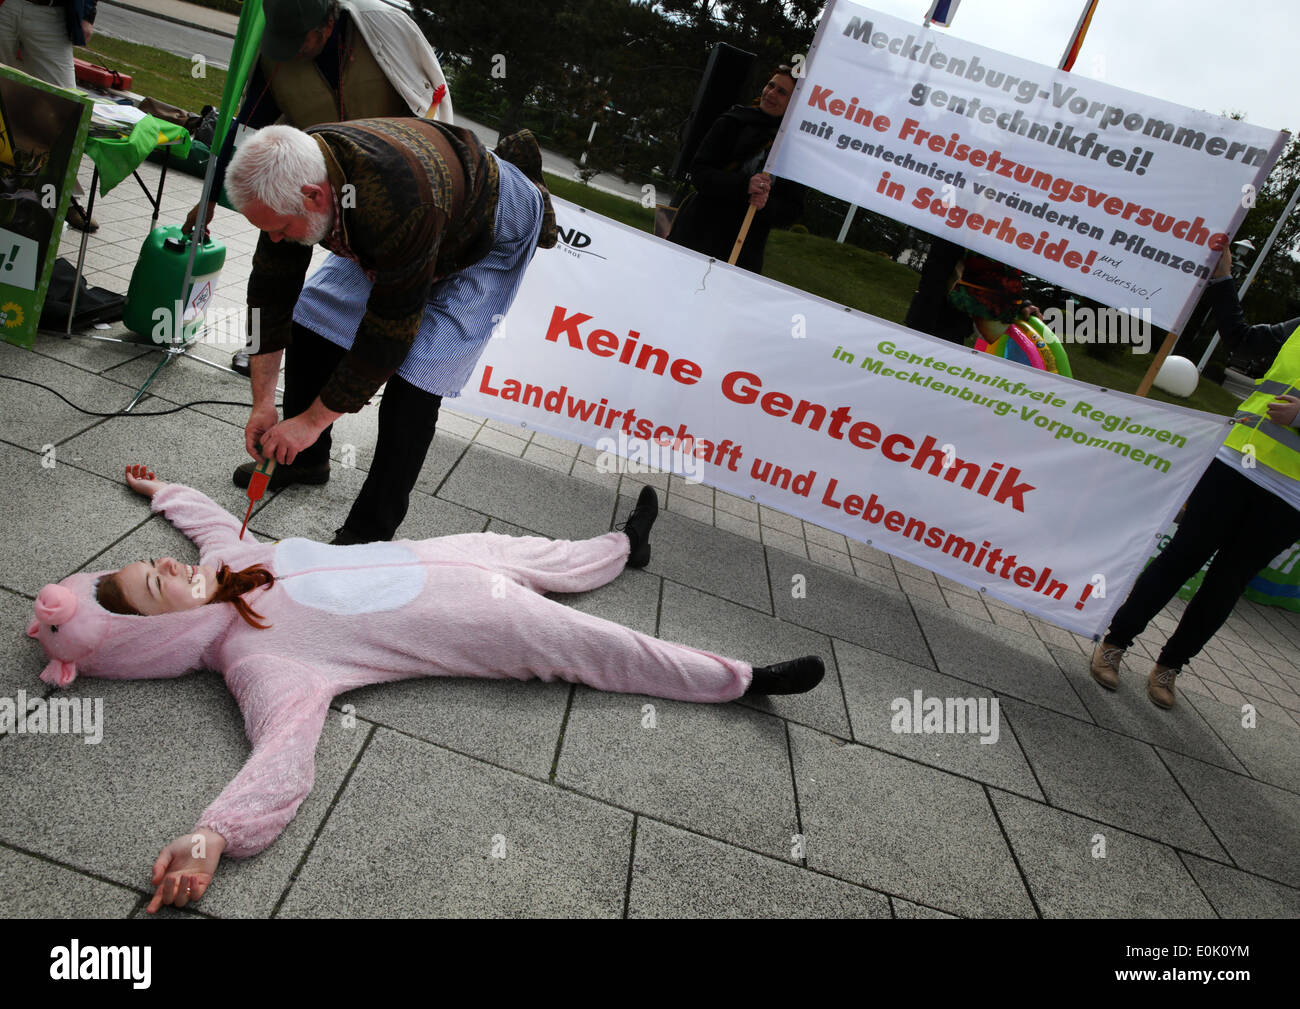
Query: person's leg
(538, 638)
(308, 364)
(10, 33)
(42, 34)
(408, 418)
(1212, 510)
(1270, 527)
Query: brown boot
(1105, 665)
(1160, 685)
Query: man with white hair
(439, 231)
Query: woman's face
(166, 585)
(776, 95)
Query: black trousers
(1247, 526)
(929, 310)
(407, 419)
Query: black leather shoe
(239, 363)
(76, 218)
(797, 676)
(638, 525)
(284, 476)
(345, 537)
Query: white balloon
(1177, 376)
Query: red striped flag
(1076, 40)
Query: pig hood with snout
(80, 637)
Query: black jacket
(77, 11)
(733, 150)
(1261, 340)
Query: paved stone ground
(772, 807)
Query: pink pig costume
(347, 617)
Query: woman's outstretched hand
(183, 870)
(141, 480)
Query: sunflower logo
(11, 314)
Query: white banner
(1119, 197)
(1044, 492)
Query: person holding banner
(293, 624)
(1243, 512)
(329, 61)
(728, 176)
(435, 232)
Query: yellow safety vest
(1275, 446)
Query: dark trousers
(1247, 526)
(407, 418)
(929, 311)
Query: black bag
(94, 304)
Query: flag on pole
(1080, 30)
(942, 12)
(248, 40)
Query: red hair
(231, 587)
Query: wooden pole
(1145, 386)
(744, 230)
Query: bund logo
(576, 243)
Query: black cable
(123, 413)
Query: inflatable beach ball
(1177, 376)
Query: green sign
(42, 134)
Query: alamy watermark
(949, 715)
(73, 716)
(624, 454)
(1130, 326)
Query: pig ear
(33, 629)
(59, 673)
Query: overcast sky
(1217, 55)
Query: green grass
(157, 74)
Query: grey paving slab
(183, 380)
(1269, 750)
(528, 495)
(87, 352)
(1081, 869)
(1237, 894)
(912, 831)
(21, 658)
(56, 518)
(716, 769)
(1104, 776)
(443, 835)
(631, 599)
(445, 452)
(35, 888)
(906, 909)
(504, 722)
(703, 621)
(33, 418)
(874, 684)
(1013, 664)
(178, 447)
(110, 807)
(844, 607)
(706, 558)
(1257, 823)
(315, 512)
(1130, 711)
(155, 538)
(676, 874)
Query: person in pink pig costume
(292, 624)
